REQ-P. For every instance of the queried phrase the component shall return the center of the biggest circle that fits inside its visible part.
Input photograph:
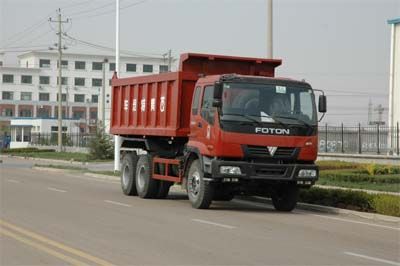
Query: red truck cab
(230, 128)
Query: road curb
(43, 159)
(100, 176)
(359, 189)
(331, 210)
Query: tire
(223, 196)
(200, 192)
(146, 186)
(285, 198)
(128, 174)
(164, 186)
(163, 189)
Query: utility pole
(103, 96)
(117, 139)
(60, 48)
(270, 29)
(169, 60)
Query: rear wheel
(285, 197)
(146, 186)
(128, 174)
(200, 192)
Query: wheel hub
(141, 177)
(194, 184)
(125, 177)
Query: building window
(112, 66)
(63, 97)
(163, 68)
(8, 112)
(7, 78)
(79, 81)
(44, 63)
(44, 80)
(26, 79)
(97, 82)
(55, 129)
(44, 97)
(25, 113)
(64, 64)
(97, 66)
(64, 80)
(7, 95)
(79, 98)
(78, 114)
(80, 65)
(148, 68)
(93, 115)
(95, 98)
(26, 96)
(43, 113)
(130, 67)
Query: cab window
(195, 103)
(207, 110)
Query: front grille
(270, 171)
(252, 151)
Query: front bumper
(264, 171)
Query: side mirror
(218, 90)
(322, 104)
(217, 103)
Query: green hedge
(337, 165)
(25, 150)
(358, 176)
(354, 200)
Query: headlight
(307, 173)
(232, 170)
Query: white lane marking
(372, 258)
(13, 181)
(56, 189)
(212, 223)
(118, 203)
(357, 222)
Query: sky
(339, 46)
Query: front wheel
(285, 198)
(200, 193)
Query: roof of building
(394, 21)
(100, 56)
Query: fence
(68, 139)
(335, 139)
(369, 140)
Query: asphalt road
(50, 218)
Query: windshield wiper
(246, 116)
(293, 118)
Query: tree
(101, 147)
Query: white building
(394, 81)
(30, 90)
(23, 129)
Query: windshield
(268, 103)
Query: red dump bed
(159, 105)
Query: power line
(102, 47)
(110, 11)
(16, 37)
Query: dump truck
(220, 126)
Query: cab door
(207, 118)
(195, 123)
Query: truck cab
(252, 131)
